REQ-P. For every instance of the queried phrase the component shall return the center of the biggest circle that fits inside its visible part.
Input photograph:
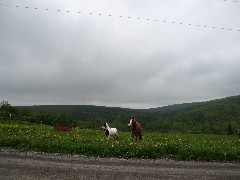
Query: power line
(126, 17)
(231, 1)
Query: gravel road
(34, 165)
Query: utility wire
(231, 1)
(126, 17)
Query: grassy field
(94, 143)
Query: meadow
(199, 147)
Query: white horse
(110, 131)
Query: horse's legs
(132, 136)
(116, 136)
(140, 136)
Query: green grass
(203, 147)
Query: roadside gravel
(15, 164)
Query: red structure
(61, 127)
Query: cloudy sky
(134, 54)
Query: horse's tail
(140, 133)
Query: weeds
(94, 143)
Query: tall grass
(94, 143)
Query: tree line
(216, 116)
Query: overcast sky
(59, 57)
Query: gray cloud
(51, 57)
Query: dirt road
(32, 165)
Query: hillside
(211, 116)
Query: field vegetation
(206, 131)
(43, 138)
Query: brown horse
(136, 129)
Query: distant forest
(216, 116)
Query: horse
(110, 131)
(136, 129)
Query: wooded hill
(208, 117)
